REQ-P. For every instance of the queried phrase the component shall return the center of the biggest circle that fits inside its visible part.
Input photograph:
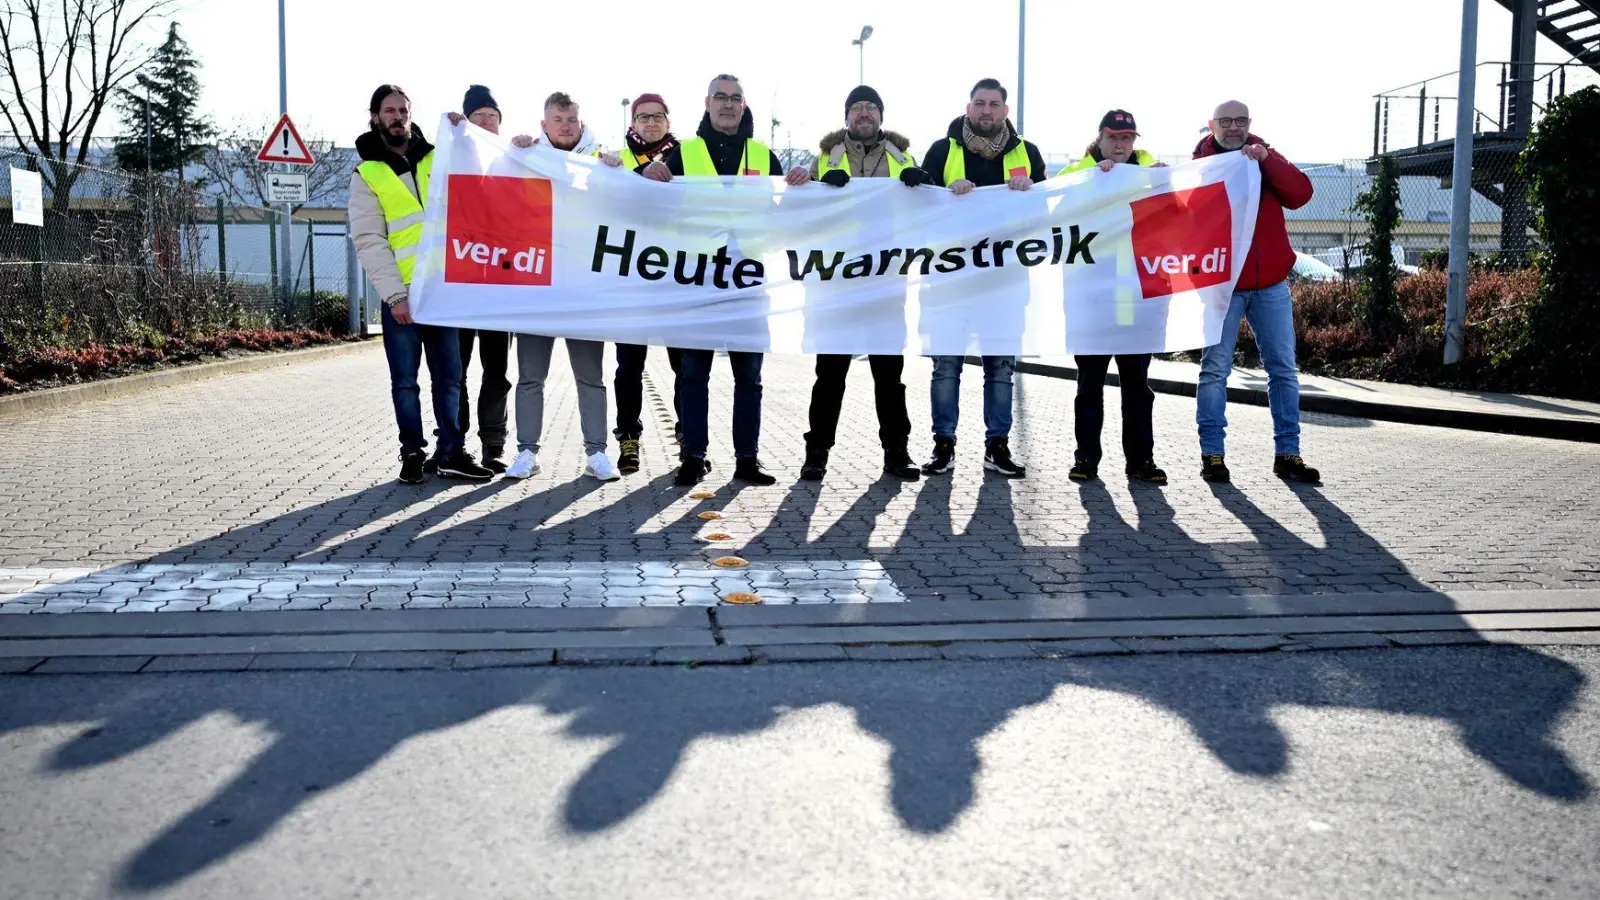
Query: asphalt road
(1464, 772)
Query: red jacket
(1282, 187)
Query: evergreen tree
(166, 102)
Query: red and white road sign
(285, 146)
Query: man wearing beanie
(862, 149)
(649, 137)
(387, 193)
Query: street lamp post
(1455, 309)
(284, 267)
(861, 42)
(626, 119)
(1022, 50)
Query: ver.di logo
(497, 231)
(1183, 240)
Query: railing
(1428, 107)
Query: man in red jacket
(1260, 297)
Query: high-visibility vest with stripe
(1016, 162)
(837, 158)
(697, 158)
(628, 159)
(402, 212)
(1140, 158)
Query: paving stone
(84, 665)
(1078, 647)
(225, 662)
(719, 655)
(892, 651)
(1345, 641)
(16, 665)
(273, 661)
(605, 656)
(988, 650)
(777, 653)
(404, 660)
(503, 659)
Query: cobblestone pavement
(276, 490)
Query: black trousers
(889, 394)
(493, 348)
(629, 387)
(1138, 406)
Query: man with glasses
(648, 139)
(862, 149)
(723, 145)
(1260, 297)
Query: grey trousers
(533, 365)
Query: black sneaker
(1293, 468)
(431, 464)
(411, 467)
(944, 457)
(815, 466)
(748, 468)
(898, 463)
(1084, 470)
(691, 472)
(677, 432)
(492, 460)
(1146, 472)
(1214, 470)
(460, 464)
(997, 458)
(628, 458)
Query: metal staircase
(1572, 25)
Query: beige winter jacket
(865, 161)
(370, 233)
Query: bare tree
(233, 171)
(63, 61)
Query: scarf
(647, 152)
(988, 148)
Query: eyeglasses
(1238, 121)
(735, 99)
(650, 117)
(864, 106)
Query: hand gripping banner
(538, 241)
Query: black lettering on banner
(999, 249)
(885, 257)
(1025, 252)
(911, 260)
(1055, 240)
(751, 268)
(601, 248)
(653, 264)
(977, 253)
(859, 266)
(813, 261)
(723, 260)
(952, 260)
(1081, 245)
(699, 277)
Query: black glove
(836, 177)
(911, 176)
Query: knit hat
(647, 98)
(863, 93)
(477, 98)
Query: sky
(1307, 68)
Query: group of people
(980, 148)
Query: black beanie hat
(477, 98)
(862, 93)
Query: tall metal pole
(861, 63)
(1455, 309)
(286, 240)
(1022, 55)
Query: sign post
(285, 147)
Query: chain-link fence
(123, 257)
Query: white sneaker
(526, 465)
(601, 467)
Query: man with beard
(563, 129)
(722, 145)
(387, 193)
(862, 149)
(1260, 297)
(981, 148)
(648, 139)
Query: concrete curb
(79, 394)
(1500, 423)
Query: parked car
(1353, 257)
(1309, 268)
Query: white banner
(542, 242)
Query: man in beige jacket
(387, 194)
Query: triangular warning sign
(285, 146)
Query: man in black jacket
(723, 145)
(982, 148)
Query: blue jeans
(946, 395)
(1270, 312)
(695, 401)
(405, 346)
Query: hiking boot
(492, 460)
(997, 458)
(692, 471)
(944, 456)
(1146, 472)
(898, 463)
(1292, 468)
(1214, 470)
(411, 467)
(1084, 470)
(460, 464)
(628, 457)
(748, 468)
(431, 464)
(815, 466)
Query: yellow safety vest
(1140, 158)
(837, 158)
(628, 159)
(402, 212)
(1016, 162)
(697, 158)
